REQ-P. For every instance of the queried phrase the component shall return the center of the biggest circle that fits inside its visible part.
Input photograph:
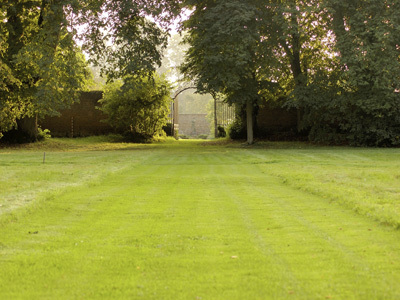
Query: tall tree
(44, 67)
(357, 99)
(301, 51)
(368, 40)
(44, 62)
(225, 52)
(9, 109)
(253, 51)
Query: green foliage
(168, 129)
(137, 106)
(225, 51)
(221, 132)
(337, 62)
(42, 67)
(223, 54)
(120, 37)
(357, 99)
(251, 51)
(237, 130)
(43, 134)
(334, 115)
(9, 106)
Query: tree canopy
(225, 51)
(337, 62)
(44, 69)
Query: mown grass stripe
(180, 222)
(302, 210)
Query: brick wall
(273, 120)
(82, 119)
(193, 124)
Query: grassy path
(195, 223)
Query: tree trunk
(215, 117)
(249, 118)
(175, 119)
(28, 128)
(26, 131)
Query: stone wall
(193, 124)
(82, 119)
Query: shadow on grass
(118, 142)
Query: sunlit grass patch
(192, 219)
(365, 180)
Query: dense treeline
(337, 61)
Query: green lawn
(196, 220)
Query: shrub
(221, 131)
(168, 129)
(43, 134)
(137, 107)
(354, 118)
(237, 130)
